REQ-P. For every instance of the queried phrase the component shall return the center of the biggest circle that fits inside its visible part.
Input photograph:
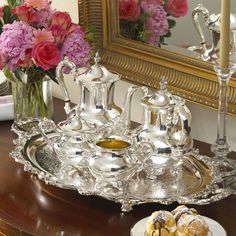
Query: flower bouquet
(34, 38)
(149, 21)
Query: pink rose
(177, 8)
(58, 33)
(61, 19)
(129, 10)
(26, 13)
(1, 12)
(46, 55)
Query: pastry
(161, 223)
(183, 210)
(191, 225)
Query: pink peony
(38, 4)
(44, 17)
(156, 24)
(177, 8)
(15, 41)
(46, 55)
(129, 10)
(42, 35)
(76, 48)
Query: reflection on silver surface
(201, 182)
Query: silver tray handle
(47, 127)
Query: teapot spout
(126, 111)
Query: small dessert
(183, 210)
(192, 225)
(161, 223)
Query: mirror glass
(141, 63)
(166, 24)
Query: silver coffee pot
(167, 124)
(96, 104)
(212, 23)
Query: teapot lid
(160, 99)
(97, 73)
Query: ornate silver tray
(201, 182)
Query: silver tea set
(97, 141)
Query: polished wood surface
(30, 207)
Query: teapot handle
(200, 9)
(66, 63)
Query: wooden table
(29, 206)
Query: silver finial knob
(97, 59)
(163, 83)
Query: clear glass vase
(32, 97)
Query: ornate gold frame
(187, 77)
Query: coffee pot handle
(200, 9)
(65, 64)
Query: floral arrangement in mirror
(34, 38)
(150, 21)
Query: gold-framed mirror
(188, 77)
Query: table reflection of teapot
(167, 124)
(97, 84)
(212, 23)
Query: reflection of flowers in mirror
(150, 21)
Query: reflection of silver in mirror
(212, 23)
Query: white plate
(215, 228)
(6, 108)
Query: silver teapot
(212, 23)
(167, 124)
(96, 84)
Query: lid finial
(97, 59)
(163, 83)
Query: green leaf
(11, 3)
(9, 75)
(171, 23)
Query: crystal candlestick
(221, 147)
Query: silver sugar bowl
(116, 160)
(71, 140)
